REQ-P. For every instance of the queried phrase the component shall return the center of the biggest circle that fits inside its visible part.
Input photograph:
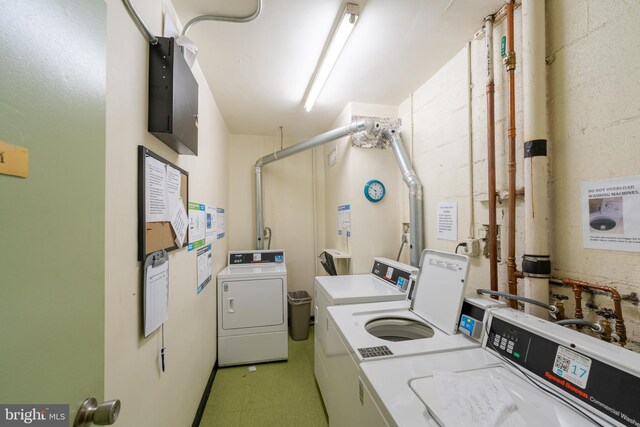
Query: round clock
(374, 191)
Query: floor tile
(276, 394)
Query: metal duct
(357, 125)
(416, 235)
(375, 139)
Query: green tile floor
(276, 394)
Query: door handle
(104, 414)
(231, 304)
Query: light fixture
(339, 38)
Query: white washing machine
(252, 308)
(529, 372)
(388, 281)
(394, 330)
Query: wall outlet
(473, 247)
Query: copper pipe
(510, 63)
(491, 160)
(578, 285)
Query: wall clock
(374, 191)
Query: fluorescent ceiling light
(338, 40)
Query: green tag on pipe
(503, 46)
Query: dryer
(252, 308)
(529, 372)
(388, 280)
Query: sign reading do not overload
(611, 214)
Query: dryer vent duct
(375, 138)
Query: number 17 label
(572, 366)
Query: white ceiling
(259, 71)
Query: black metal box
(173, 98)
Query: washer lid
(439, 290)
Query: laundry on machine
(528, 372)
(388, 280)
(252, 308)
(362, 333)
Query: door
(252, 303)
(52, 102)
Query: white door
(251, 303)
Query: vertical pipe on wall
(416, 234)
(491, 157)
(536, 265)
(472, 215)
(259, 215)
(510, 63)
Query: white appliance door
(252, 303)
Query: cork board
(154, 236)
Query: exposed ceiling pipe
(536, 264)
(236, 19)
(491, 157)
(362, 124)
(510, 62)
(140, 23)
(416, 235)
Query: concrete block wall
(593, 57)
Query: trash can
(299, 309)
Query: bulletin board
(154, 236)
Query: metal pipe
(491, 161)
(536, 264)
(416, 235)
(357, 125)
(472, 210)
(140, 23)
(578, 285)
(236, 19)
(510, 63)
(259, 210)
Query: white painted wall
(594, 59)
(375, 227)
(288, 203)
(132, 370)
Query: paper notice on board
(220, 222)
(212, 221)
(156, 297)
(179, 221)
(156, 208)
(173, 186)
(197, 225)
(611, 214)
(448, 221)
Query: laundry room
(323, 213)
